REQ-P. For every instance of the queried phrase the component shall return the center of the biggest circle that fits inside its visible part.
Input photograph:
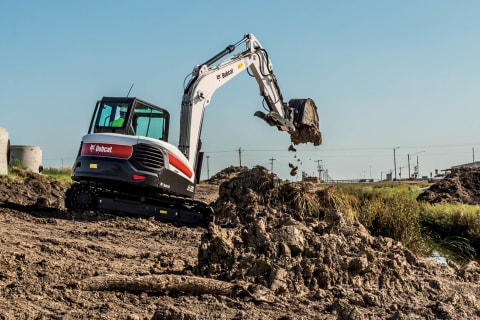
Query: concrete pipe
(29, 157)
(4, 146)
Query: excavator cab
(130, 116)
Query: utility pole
(473, 156)
(271, 164)
(319, 169)
(395, 163)
(416, 170)
(408, 157)
(240, 156)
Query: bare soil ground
(271, 263)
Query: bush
(391, 213)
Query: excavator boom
(299, 117)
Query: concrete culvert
(4, 147)
(30, 157)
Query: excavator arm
(298, 117)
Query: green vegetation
(58, 174)
(454, 229)
(392, 210)
(17, 171)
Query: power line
(352, 148)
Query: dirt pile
(227, 174)
(334, 266)
(460, 186)
(32, 189)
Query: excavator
(126, 164)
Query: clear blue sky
(383, 74)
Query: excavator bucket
(305, 120)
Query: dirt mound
(337, 265)
(32, 189)
(227, 174)
(460, 186)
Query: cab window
(111, 115)
(150, 122)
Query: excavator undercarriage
(88, 196)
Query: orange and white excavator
(125, 163)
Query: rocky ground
(264, 259)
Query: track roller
(81, 197)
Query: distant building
(312, 179)
(389, 177)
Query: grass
(58, 174)
(17, 171)
(454, 229)
(390, 211)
